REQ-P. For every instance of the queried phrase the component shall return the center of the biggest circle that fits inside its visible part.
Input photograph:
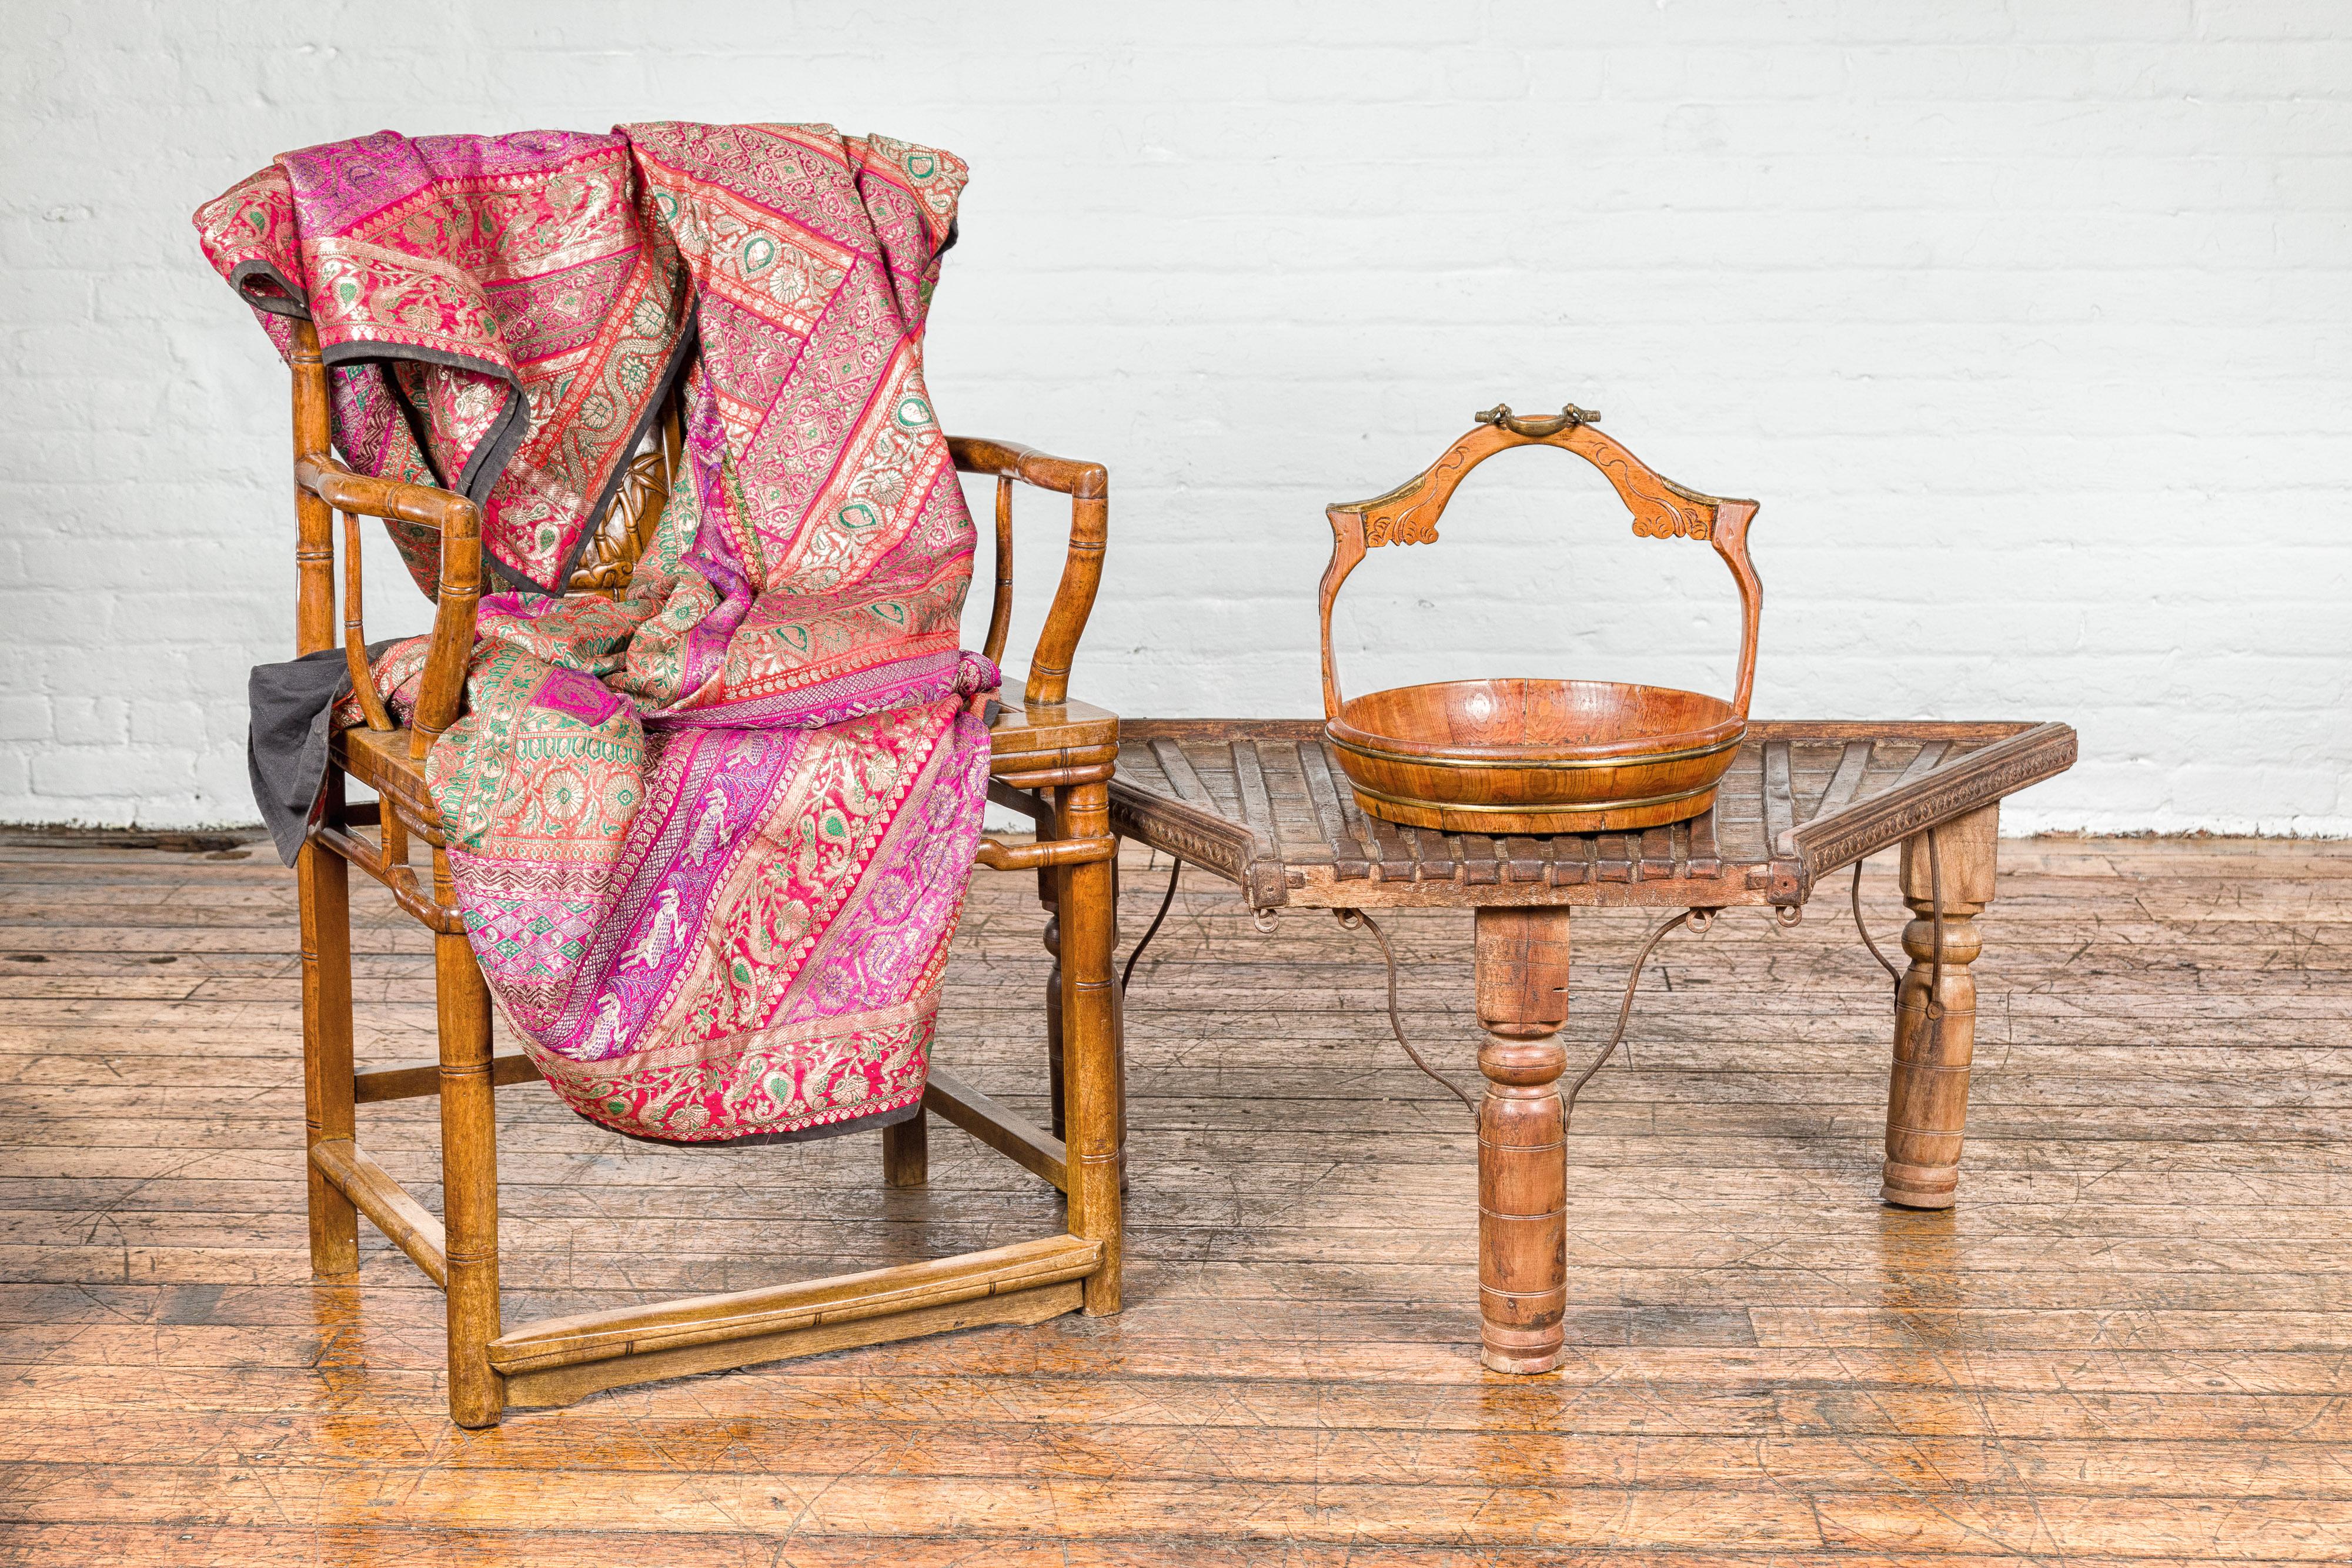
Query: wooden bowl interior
(1547, 718)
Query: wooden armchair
(1053, 757)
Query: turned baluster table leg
(1522, 982)
(1928, 1092)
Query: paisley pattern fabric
(712, 837)
(497, 292)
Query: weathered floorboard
(2131, 1341)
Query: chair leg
(906, 1153)
(324, 881)
(1057, 1067)
(470, 1172)
(1049, 894)
(1089, 994)
(1118, 1020)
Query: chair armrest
(369, 497)
(1089, 486)
(1063, 475)
(459, 523)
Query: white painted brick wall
(2029, 324)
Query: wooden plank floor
(2129, 1344)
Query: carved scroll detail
(1407, 527)
(1385, 525)
(610, 557)
(1670, 514)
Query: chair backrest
(618, 538)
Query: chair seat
(378, 758)
(1023, 740)
(1068, 734)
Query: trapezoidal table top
(1263, 803)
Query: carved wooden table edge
(1940, 800)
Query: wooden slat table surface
(1265, 803)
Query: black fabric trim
(759, 1140)
(489, 459)
(507, 436)
(289, 303)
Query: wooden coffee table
(1264, 804)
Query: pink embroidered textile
(711, 838)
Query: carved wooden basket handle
(1662, 510)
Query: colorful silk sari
(711, 838)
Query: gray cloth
(293, 705)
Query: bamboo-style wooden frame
(1052, 758)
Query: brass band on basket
(1637, 759)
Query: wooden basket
(1521, 756)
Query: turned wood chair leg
(1118, 1014)
(906, 1153)
(1119, 1060)
(324, 881)
(1927, 1089)
(1522, 986)
(469, 1171)
(1057, 1067)
(1088, 923)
